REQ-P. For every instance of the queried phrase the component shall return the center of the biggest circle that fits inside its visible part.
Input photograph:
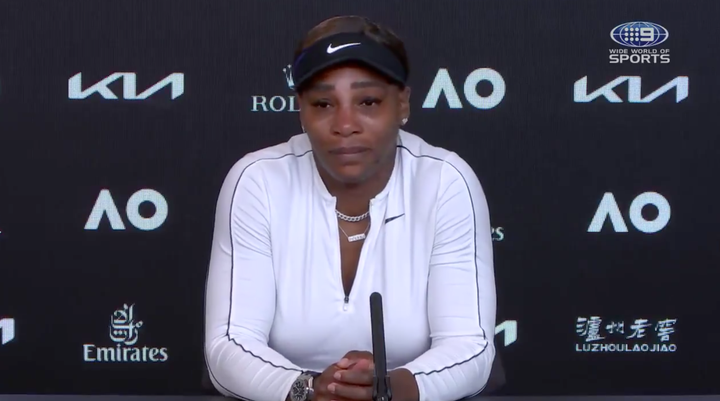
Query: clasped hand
(349, 379)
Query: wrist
(403, 385)
(303, 388)
(312, 383)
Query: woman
(306, 230)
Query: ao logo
(106, 205)
(509, 328)
(609, 208)
(7, 330)
(443, 85)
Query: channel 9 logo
(636, 39)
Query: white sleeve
(240, 294)
(461, 292)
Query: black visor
(344, 47)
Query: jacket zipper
(346, 299)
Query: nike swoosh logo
(389, 219)
(331, 50)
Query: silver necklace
(352, 219)
(356, 237)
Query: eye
(321, 104)
(370, 101)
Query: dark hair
(356, 24)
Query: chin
(351, 174)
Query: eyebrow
(323, 87)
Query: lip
(349, 150)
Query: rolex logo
(288, 77)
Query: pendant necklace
(356, 237)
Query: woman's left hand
(354, 380)
(352, 357)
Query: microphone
(381, 380)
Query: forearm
(451, 370)
(403, 385)
(250, 371)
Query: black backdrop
(545, 158)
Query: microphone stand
(381, 379)
(381, 389)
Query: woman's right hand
(352, 360)
(321, 383)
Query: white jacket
(275, 304)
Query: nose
(345, 122)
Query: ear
(298, 97)
(302, 125)
(404, 99)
